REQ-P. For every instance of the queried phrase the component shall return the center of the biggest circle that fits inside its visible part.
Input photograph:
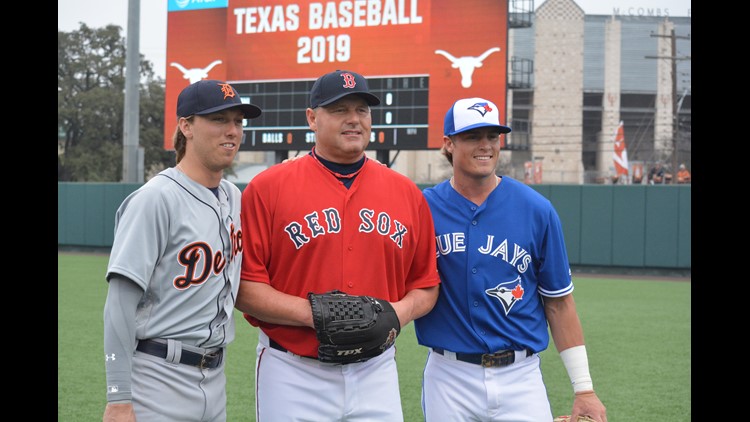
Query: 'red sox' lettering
(382, 224)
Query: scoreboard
(399, 122)
(419, 57)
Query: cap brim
(501, 128)
(250, 111)
(370, 98)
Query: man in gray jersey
(174, 271)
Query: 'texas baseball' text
(334, 47)
(329, 15)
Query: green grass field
(637, 336)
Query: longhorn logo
(467, 64)
(196, 74)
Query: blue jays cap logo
(482, 108)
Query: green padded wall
(636, 226)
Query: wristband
(577, 364)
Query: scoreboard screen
(399, 122)
(419, 57)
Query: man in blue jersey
(505, 276)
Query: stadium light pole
(130, 150)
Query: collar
(341, 171)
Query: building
(574, 77)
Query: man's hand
(119, 412)
(588, 404)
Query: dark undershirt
(346, 173)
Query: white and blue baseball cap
(472, 113)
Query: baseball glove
(352, 328)
(566, 418)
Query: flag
(528, 171)
(620, 154)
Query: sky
(153, 23)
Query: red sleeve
(424, 271)
(256, 233)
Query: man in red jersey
(332, 220)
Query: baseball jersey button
(476, 304)
(474, 223)
(350, 284)
(473, 208)
(473, 270)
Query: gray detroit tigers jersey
(183, 246)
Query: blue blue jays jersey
(496, 261)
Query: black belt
(281, 348)
(209, 360)
(488, 360)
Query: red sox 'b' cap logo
(349, 81)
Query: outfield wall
(624, 226)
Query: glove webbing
(346, 310)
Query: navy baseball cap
(336, 85)
(209, 96)
(472, 113)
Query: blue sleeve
(555, 278)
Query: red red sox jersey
(304, 231)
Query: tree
(90, 102)
(156, 158)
